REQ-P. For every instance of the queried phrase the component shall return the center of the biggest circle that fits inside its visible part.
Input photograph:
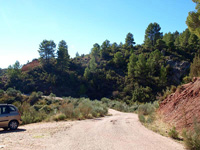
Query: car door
(4, 116)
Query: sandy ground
(121, 131)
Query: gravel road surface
(121, 131)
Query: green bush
(105, 101)
(1, 92)
(52, 95)
(192, 138)
(146, 109)
(173, 133)
(85, 107)
(150, 118)
(142, 118)
(59, 117)
(33, 98)
(12, 92)
(31, 116)
(68, 109)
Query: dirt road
(121, 131)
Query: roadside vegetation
(36, 108)
(192, 138)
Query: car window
(3, 110)
(11, 108)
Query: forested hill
(124, 71)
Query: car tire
(13, 125)
(6, 128)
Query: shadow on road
(11, 131)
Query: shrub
(192, 138)
(85, 107)
(67, 109)
(133, 108)
(146, 109)
(105, 101)
(156, 104)
(1, 92)
(173, 133)
(33, 98)
(187, 79)
(98, 109)
(31, 116)
(150, 118)
(12, 92)
(59, 117)
(52, 95)
(142, 118)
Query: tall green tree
(163, 76)
(92, 64)
(77, 54)
(105, 48)
(195, 67)
(193, 19)
(131, 65)
(95, 52)
(63, 56)
(129, 41)
(114, 47)
(169, 40)
(47, 51)
(152, 34)
(184, 38)
(14, 75)
(140, 69)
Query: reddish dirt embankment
(31, 65)
(182, 107)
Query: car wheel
(13, 125)
(5, 128)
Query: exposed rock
(182, 107)
(31, 65)
(179, 70)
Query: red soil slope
(31, 65)
(182, 107)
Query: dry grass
(158, 126)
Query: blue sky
(24, 24)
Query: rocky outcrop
(31, 65)
(178, 70)
(182, 108)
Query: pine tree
(152, 34)
(193, 19)
(131, 65)
(63, 56)
(47, 51)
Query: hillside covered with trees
(126, 71)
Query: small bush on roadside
(191, 139)
(59, 117)
(32, 116)
(68, 110)
(150, 118)
(173, 133)
(142, 118)
(146, 109)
